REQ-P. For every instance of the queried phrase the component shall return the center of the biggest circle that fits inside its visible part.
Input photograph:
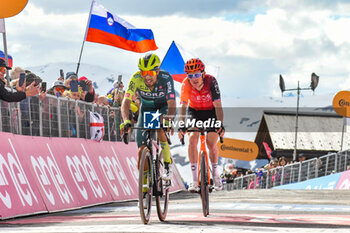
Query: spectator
(89, 95)
(22, 91)
(302, 158)
(103, 101)
(57, 88)
(282, 161)
(15, 75)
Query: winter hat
(82, 78)
(58, 83)
(71, 75)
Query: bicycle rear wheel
(204, 185)
(162, 197)
(145, 189)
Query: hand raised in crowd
(42, 95)
(32, 90)
(89, 82)
(21, 88)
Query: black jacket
(10, 96)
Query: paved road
(234, 211)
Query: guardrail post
(76, 118)
(345, 160)
(59, 117)
(10, 120)
(299, 175)
(86, 122)
(40, 118)
(336, 163)
(109, 130)
(19, 114)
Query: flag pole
(342, 133)
(5, 51)
(82, 46)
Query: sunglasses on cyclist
(60, 89)
(196, 75)
(151, 73)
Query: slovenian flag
(107, 28)
(9, 57)
(175, 59)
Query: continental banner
(11, 8)
(238, 149)
(341, 103)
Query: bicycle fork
(203, 149)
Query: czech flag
(175, 59)
(107, 28)
(2, 56)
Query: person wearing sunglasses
(155, 88)
(57, 88)
(22, 91)
(200, 97)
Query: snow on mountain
(102, 77)
(241, 120)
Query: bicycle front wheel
(204, 186)
(145, 186)
(162, 196)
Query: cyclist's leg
(193, 157)
(141, 144)
(211, 140)
(165, 147)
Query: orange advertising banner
(11, 8)
(341, 103)
(238, 149)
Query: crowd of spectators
(71, 87)
(272, 171)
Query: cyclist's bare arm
(183, 107)
(171, 109)
(219, 112)
(182, 117)
(125, 108)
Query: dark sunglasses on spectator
(196, 75)
(3, 69)
(151, 73)
(60, 89)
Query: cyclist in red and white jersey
(200, 96)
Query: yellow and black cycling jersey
(162, 92)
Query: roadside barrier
(43, 175)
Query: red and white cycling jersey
(203, 99)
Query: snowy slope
(102, 77)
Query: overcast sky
(251, 41)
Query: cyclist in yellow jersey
(156, 90)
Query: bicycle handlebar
(198, 130)
(126, 129)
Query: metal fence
(297, 172)
(57, 117)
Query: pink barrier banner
(344, 181)
(39, 174)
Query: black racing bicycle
(151, 169)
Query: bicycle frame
(203, 148)
(156, 187)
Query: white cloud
(294, 39)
